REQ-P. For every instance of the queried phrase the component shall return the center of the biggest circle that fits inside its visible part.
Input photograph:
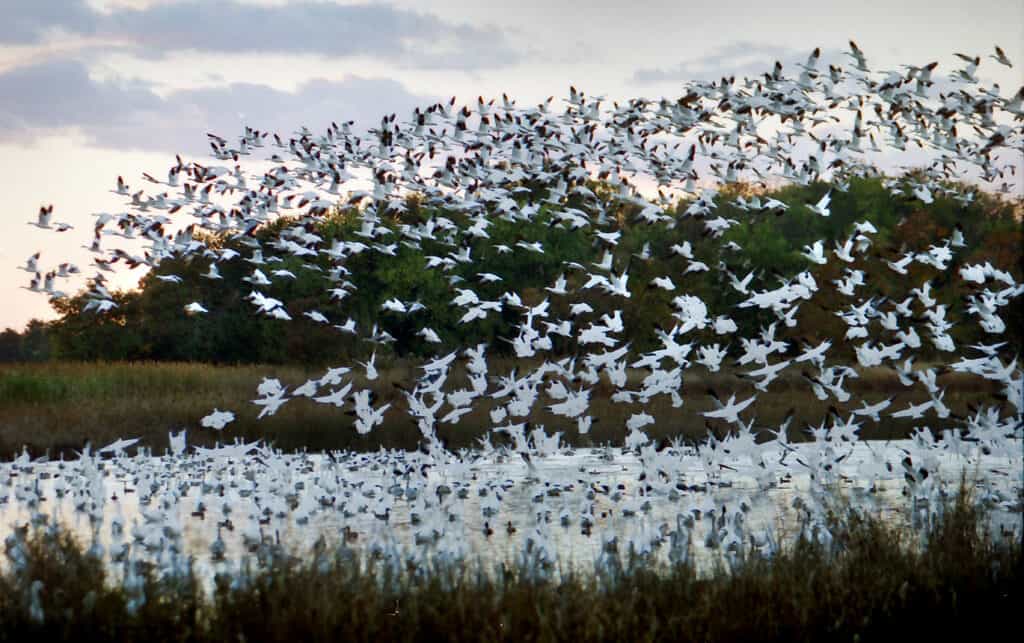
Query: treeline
(149, 323)
(30, 345)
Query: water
(565, 508)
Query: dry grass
(876, 582)
(56, 408)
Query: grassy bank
(56, 407)
(876, 582)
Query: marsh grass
(874, 582)
(56, 408)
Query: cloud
(60, 96)
(738, 59)
(29, 21)
(59, 93)
(227, 26)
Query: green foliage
(30, 345)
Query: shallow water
(364, 500)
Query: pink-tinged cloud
(412, 38)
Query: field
(56, 408)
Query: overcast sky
(93, 89)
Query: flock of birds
(475, 165)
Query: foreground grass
(876, 582)
(56, 408)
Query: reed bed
(56, 408)
(874, 582)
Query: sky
(93, 89)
